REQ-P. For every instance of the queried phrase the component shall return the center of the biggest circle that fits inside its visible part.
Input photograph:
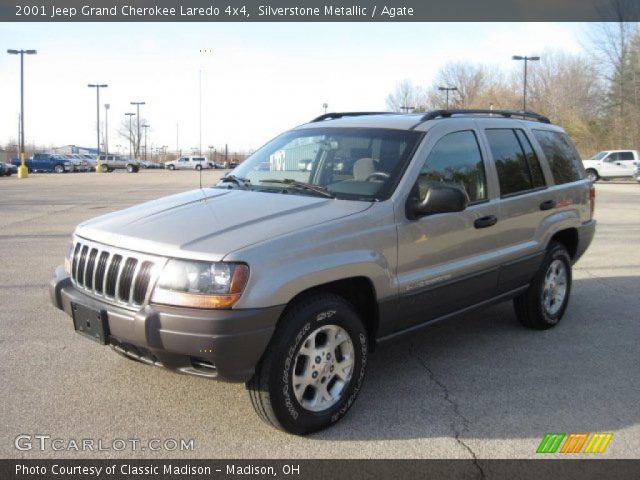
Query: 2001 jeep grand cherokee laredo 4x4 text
(285, 278)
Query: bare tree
(405, 97)
(131, 134)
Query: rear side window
(626, 156)
(516, 162)
(564, 161)
(456, 159)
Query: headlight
(200, 284)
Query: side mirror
(440, 198)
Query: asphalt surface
(478, 385)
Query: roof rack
(328, 116)
(504, 113)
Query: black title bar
(318, 11)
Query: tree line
(594, 96)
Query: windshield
(598, 156)
(345, 163)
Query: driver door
(447, 262)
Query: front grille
(116, 275)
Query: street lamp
(407, 108)
(106, 128)
(130, 114)
(325, 105)
(137, 104)
(23, 172)
(447, 90)
(98, 86)
(145, 126)
(524, 90)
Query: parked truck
(611, 164)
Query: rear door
(525, 200)
(447, 262)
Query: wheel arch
(359, 291)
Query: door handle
(484, 222)
(548, 205)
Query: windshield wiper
(301, 186)
(241, 182)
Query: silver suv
(286, 279)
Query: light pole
(447, 90)
(524, 90)
(407, 108)
(106, 128)
(23, 172)
(118, 147)
(130, 114)
(145, 126)
(98, 86)
(325, 105)
(137, 104)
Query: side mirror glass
(440, 198)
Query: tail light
(592, 198)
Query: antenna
(200, 173)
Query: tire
(592, 175)
(133, 168)
(198, 167)
(172, 167)
(58, 169)
(305, 326)
(104, 168)
(538, 308)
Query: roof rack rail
(328, 116)
(505, 113)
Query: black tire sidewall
(288, 411)
(556, 252)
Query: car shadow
(482, 375)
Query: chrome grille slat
(81, 263)
(113, 272)
(117, 276)
(134, 279)
(89, 268)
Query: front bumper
(221, 344)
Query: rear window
(564, 161)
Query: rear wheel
(198, 167)
(544, 303)
(104, 168)
(132, 168)
(172, 167)
(592, 175)
(314, 366)
(59, 169)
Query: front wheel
(132, 168)
(544, 303)
(171, 167)
(314, 366)
(592, 175)
(198, 167)
(59, 169)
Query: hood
(209, 223)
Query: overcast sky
(257, 79)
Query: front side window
(562, 156)
(455, 159)
(347, 163)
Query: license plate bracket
(90, 322)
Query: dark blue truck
(46, 162)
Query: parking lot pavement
(478, 385)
